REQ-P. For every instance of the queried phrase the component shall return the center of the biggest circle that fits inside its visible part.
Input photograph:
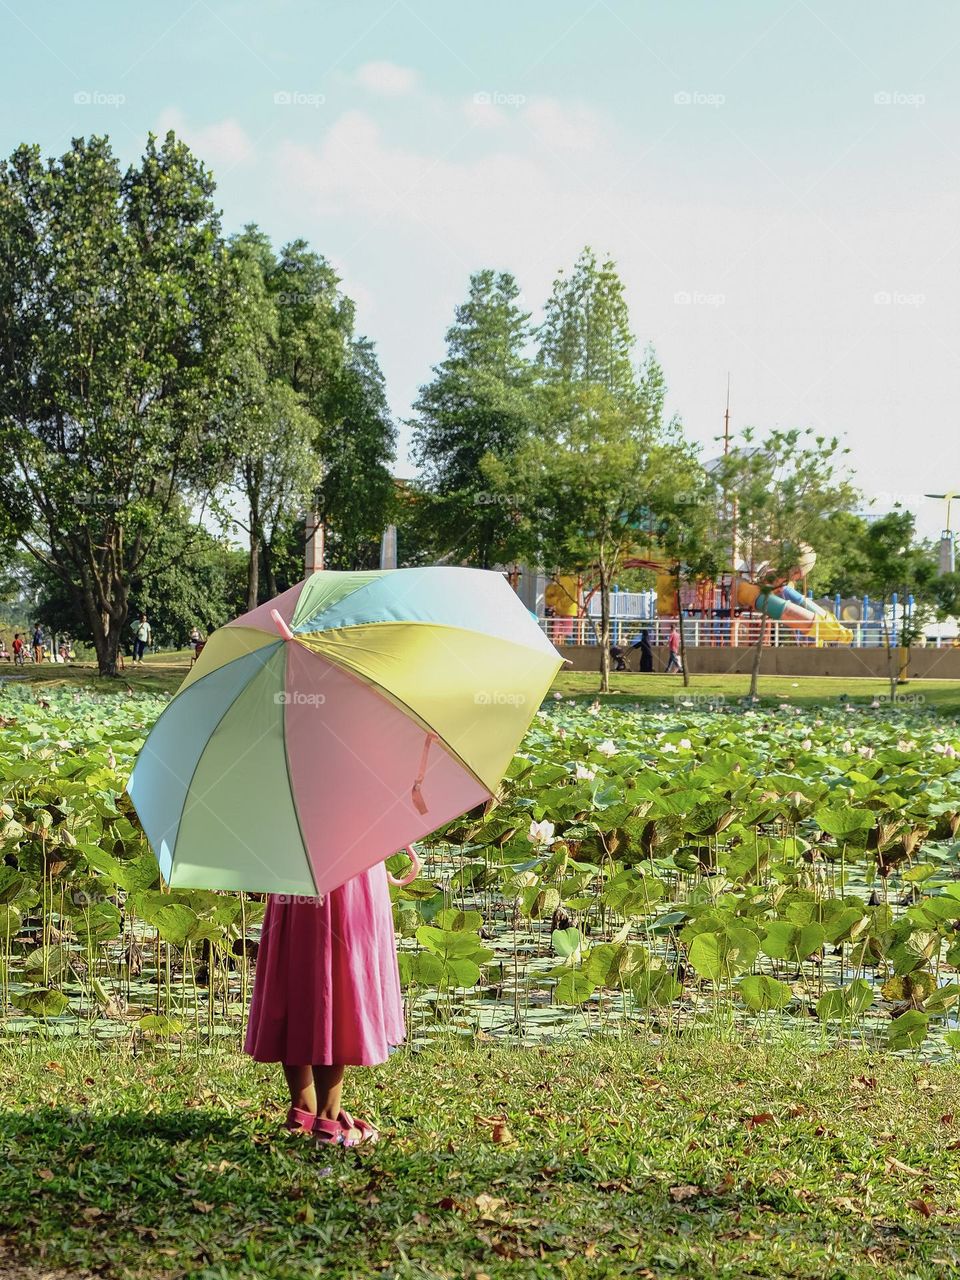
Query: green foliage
(472, 416)
(115, 334)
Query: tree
(585, 338)
(312, 414)
(356, 496)
(689, 529)
(783, 492)
(190, 578)
(115, 334)
(601, 461)
(898, 566)
(477, 407)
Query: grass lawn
(606, 1159)
(940, 695)
(162, 673)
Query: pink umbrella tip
(281, 624)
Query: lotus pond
(651, 871)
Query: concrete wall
(795, 660)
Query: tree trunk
(268, 570)
(106, 625)
(253, 570)
(604, 633)
(683, 642)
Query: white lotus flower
(669, 746)
(866, 752)
(806, 744)
(847, 747)
(607, 748)
(540, 833)
(583, 774)
(594, 708)
(686, 744)
(557, 695)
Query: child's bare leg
(328, 1086)
(303, 1096)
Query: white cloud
(559, 127)
(221, 145)
(387, 78)
(480, 111)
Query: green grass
(695, 1160)
(630, 687)
(162, 673)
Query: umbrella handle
(415, 868)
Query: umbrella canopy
(323, 731)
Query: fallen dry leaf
(92, 1212)
(923, 1207)
(488, 1206)
(677, 1194)
(201, 1206)
(45, 1174)
(893, 1165)
(764, 1117)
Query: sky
(778, 181)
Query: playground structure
(772, 599)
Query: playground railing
(741, 632)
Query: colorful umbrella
(323, 731)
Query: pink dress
(327, 987)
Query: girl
(327, 996)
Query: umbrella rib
(293, 794)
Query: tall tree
(601, 457)
(585, 338)
(784, 492)
(312, 414)
(115, 333)
(356, 495)
(477, 407)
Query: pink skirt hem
(327, 986)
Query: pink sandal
(356, 1132)
(329, 1132)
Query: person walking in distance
(673, 645)
(38, 643)
(141, 638)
